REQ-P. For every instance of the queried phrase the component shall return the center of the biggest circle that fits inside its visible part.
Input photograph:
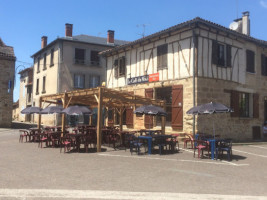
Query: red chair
(23, 133)
(66, 142)
(201, 146)
(43, 138)
(189, 139)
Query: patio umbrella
(31, 110)
(52, 109)
(209, 108)
(150, 110)
(77, 110)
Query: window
(221, 54)
(165, 93)
(78, 81)
(94, 58)
(94, 81)
(38, 65)
(162, 52)
(79, 56)
(120, 67)
(243, 104)
(44, 67)
(44, 82)
(250, 61)
(37, 86)
(52, 57)
(263, 65)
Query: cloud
(263, 3)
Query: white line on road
(177, 160)
(101, 194)
(258, 146)
(263, 156)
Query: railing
(87, 62)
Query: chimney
(44, 42)
(110, 39)
(245, 23)
(68, 30)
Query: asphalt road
(29, 172)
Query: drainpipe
(194, 82)
(58, 72)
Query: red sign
(153, 77)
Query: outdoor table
(149, 142)
(212, 142)
(77, 137)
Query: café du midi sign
(143, 79)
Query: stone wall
(7, 67)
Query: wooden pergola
(99, 98)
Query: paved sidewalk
(29, 172)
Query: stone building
(25, 93)
(193, 63)
(69, 63)
(7, 74)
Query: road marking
(176, 160)
(263, 156)
(258, 146)
(123, 195)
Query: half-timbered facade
(192, 63)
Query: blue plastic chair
(135, 145)
(224, 145)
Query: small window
(38, 65)
(250, 61)
(94, 58)
(263, 65)
(221, 54)
(162, 52)
(243, 104)
(37, 86)
(120, 67)
(78, 81)
(94, 81)
(44, 67)
(79, 56)
(51, 57)
(44, 83)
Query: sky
(23, 23)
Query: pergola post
(39, 118)
(64, 103)
(99, 119)
(163, 119)
(121, 118)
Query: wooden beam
(99, 119)
(121, 118)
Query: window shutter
(250, 61)
(235, 103)
(263, 65)
(228, 55)
(177, 107)
(129, 115)
(214, 52)
(149, 118)
(256, 105)
(116, 71)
